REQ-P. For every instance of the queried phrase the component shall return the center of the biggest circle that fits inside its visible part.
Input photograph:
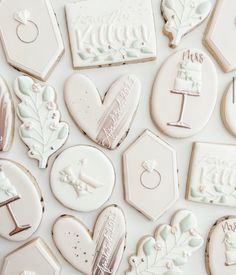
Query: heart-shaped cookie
(106, 121)
(98, 254)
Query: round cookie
(21, 203)
(228, 110)
(184, 93)
(82, 178)
(220, 253)
(97, 253)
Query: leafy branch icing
(169, 249)
(216, 181)
(183, 15)
(41, 130)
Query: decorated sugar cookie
(106, 121)
(221, 247)
(6, 117)
(104, 32)
(150, 175)
(32, 258)
(169, 249)
(219, 34)
(42, 130)
(82, 178)
(99, 253)
(212, 174)
(19, 192)
(229, 107)
(25, 28)
(182, 106)
(183, 16)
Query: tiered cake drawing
(8, 195)
(187, 83)
(230, 248)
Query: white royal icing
(221, 247)
(223, 22)
(150, 175)
(26, 272)
(213, 174)
(41, 129)
(169, 249)
(182, 16)
(106, 121)
(25, 28)
(32, 258)
(22, 16)
(188, 88)
(107, 32)
(82, 178)
(99, 253)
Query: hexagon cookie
(33, 258)
(150, 175)
(219, 36)
(30, 36)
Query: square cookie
(212, 174)
(107, 32)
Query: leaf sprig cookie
(182, 16)
(41, 130)
(169, 249)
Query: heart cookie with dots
(99, 253)
(106, 121)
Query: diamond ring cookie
(110, 32)
(182, 106)
(97, 253)
(42, 130)
(183, 16)
(169, 249)
(23, 17)
(228, 107)
(82, 178)
(212, 174)
(220, 254)
(150, 175)
(32, 258)
(106, 121)
(7, 117)
(25, 28)
(19, 192)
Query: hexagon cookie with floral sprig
(169, 249)
(212, 174)
(150, 175)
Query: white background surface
(137, 224)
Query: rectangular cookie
(108, 32)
